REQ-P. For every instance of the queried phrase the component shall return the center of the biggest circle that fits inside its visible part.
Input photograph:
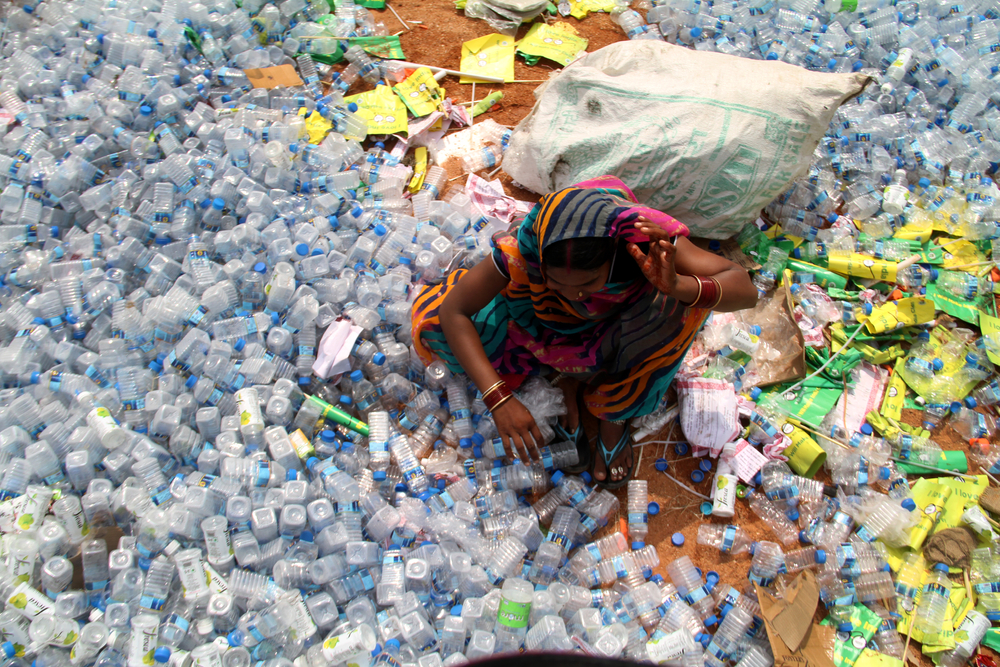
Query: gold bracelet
(718, 287)
(699, 292)
(494, 386)
(502, 401)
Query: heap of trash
(218, 446)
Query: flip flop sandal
(577, 437)
(608, 456)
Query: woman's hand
(517, 429)
(658, 264)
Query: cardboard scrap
(792, 617)
(791, 620)
(274, 77)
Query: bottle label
(29, 602)
(513, 614)
(638, 517)
(218, 545)
(865, 534)
(986, 587)
(192, 576)
(301, 444)
(216, 582)
(728, 539)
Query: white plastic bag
(708, 413)
(706, 137)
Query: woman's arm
(471, 294)
(738, 293)
(671, 269)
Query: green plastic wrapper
(955, 461)
(864, 624)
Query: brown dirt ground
(438, 41)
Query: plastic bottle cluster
(173, 248)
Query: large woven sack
(706, 137)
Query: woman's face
(575, 284)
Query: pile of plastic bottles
(173, 249)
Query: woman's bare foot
(611, 433)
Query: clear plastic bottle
(690, 585)
(727, 539)
(933, 603)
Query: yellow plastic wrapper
(863, 266)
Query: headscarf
(600, 207)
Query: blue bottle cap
(803, 538)
(303, 381)
(379, 476)
(8, 649)
(234, 639)
(941, 567)
(218, 203)
(792, 514)
(477, 439)
(711, 620)
(465, 443)
(424, 495)
(970, 402)
(712, 578)
(908, 504)
(191, 382)
(290, 475)
(677, 539)
(697, 476)
(145, 110)
(706, 508)
(938, 364)
(681, 448)
(705, 465)
(327, 435)
(695, 32)
(302, 249)
(845, 627)
(756, 391)
(239, 344)
(652, 509)
(456, 610)
(392, 644)
(866, 428)
(557, 477)
(357, 376)
(585, 476)
(757, 479)
(660, 464)
(161, 654)
(378, 358)
(352, 107)
(345, 400)
(955, 407)
(275, 319)
(755, 330)
(637, 545)
(820, 556)
(34, 377)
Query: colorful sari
(625, 341)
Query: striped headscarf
(601, 207)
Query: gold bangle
(699, 292)
(718, 288)
(502, 401)
(494, 386)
